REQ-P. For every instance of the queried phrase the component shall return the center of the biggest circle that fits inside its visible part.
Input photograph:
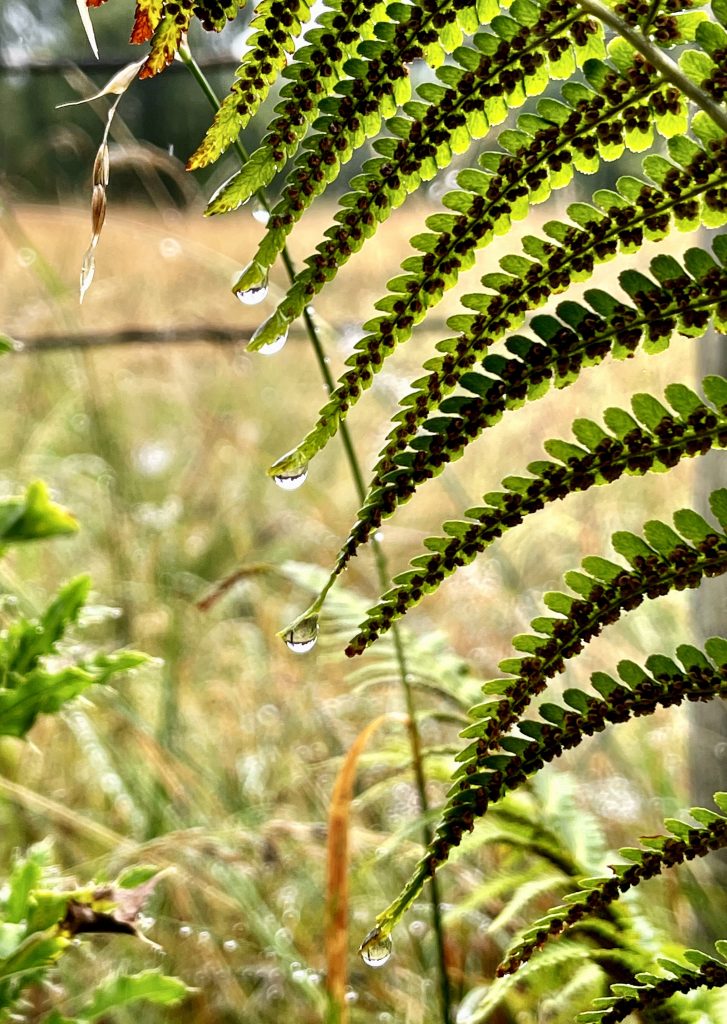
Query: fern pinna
(596, 80)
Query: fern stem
(379, 559)
(658, 59)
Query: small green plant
(639, 77)
(41, 914)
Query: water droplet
(229, 945)
(378, 536)
(185, 931)
(302, 637)
(261, 215)
(253, 295)
(274, 346)
(351, 996)
(291, 480)
(375, 949)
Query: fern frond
(699, 971)
(274, 29)
(517, 60)
(506, 78)
(316, 70)
(378, 82)
(657, 854)
(686, 193)
(657, 442)
(666, 560)
(674, 302)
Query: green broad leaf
(563, 451)
(553, 110)
(588, 433)
(619, 422)
(683, 400)
(601, 568)
(632, 854)
(527, 643)
(711, 37)
(715, 388)
(721, 800)
(718, 505)
(579, 582)
(721, 947)
(634, 282)
(692, 526)
(698, 958)
(577, 699)
(691, 657)
(705, 817)
(631, 547)
(558, 602)
(661, 537)
(631, 673)
(696, 65)
(553, 713)
(474, 181)
(657, 168)
(147, 986)
(33, 517)
(716, 648)
(682, 149)
(604, 684)
(719, 9)
(648, 410)
(662, 667)
(706, 130)
(678, 828)
(666, 268)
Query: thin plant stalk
(382, 571)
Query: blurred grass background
(221, 759)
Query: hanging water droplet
(376, 949)
(254, 294)
(229, 945)
(291, 479)
(273, 346)
(302, 637)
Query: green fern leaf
(633, 450)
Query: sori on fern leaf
(645, 78)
